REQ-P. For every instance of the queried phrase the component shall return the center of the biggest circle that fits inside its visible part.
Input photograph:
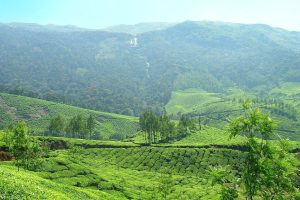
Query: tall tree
(148, 123)
(57, 125)
(90, 125)
(268, 169)
(76, 127)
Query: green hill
(125, 73)
(215, 109)
(37, 113)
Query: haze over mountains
(126, 69)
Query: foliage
(222, 176)
(90, 125)
(25, 149)
(268, 169)
(38, 113)
(102, 71)
(214, 109)
(57, 125)
(159, 128)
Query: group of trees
(76, 127)
(160, 128)
(26, 150)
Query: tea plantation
(37, 113)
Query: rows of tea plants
(209, 136)
(86, 172)
(37, 113)
(184, 161)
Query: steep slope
(37, 113)
(213, 56)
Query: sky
(98, 14)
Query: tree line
(160, 128)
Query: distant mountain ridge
(140, 27)
(103, 70)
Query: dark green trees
(76, 127)
(268, 168)
(159, 128)
(57, 126)
(90, 125)
(167, 128)
(185, 126)
(149, 123)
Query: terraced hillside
(215, 109)
(37, 113)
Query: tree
(147, 122)
(185, 126)
(76, 127)
(57, 125)
(90, 125)
(268, 169)
(166, 128)
(25, 149)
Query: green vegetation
(39, 113)
(102, 70)
(269, 170)
(200, 72)
(209, 136)
(122, 170)
(162, 129)
(214, 109)
(122, 173)
(26, 150)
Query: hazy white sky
(103, 13)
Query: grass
(37, 113)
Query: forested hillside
(123, 73)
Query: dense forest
(124, 73)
